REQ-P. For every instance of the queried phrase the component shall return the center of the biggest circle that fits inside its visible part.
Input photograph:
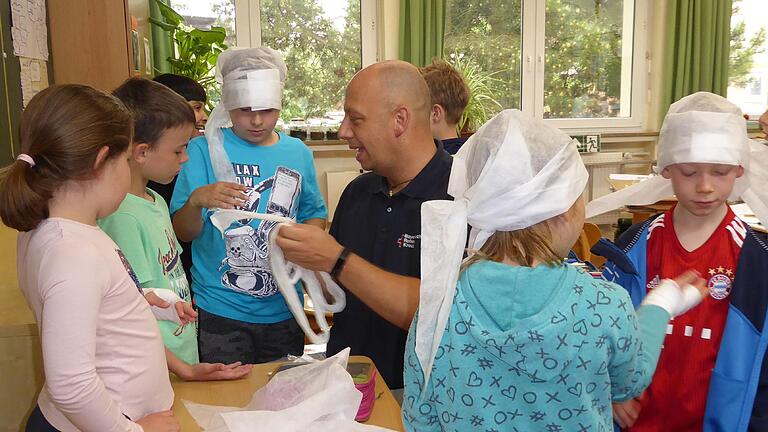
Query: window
(204, 14)
(582, 65)
(748, 67)
(489, 35)
(324, 42)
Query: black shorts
(38, 423)
(224, 340)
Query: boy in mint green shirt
(143, 230)
(162, 126)
(141, 227)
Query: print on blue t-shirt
(247, 262)
(231, 276)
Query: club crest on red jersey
(720, 282)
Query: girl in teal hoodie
(512, 339)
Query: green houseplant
(195, 50)
(482, 88)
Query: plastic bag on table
(318, 396)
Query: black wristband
(340, 262)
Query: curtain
(422, 28)
(697, 48)
(162, 42)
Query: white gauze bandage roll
(288, 274)
(513, 173)
(250, 78)
(167, 313)
(700, 128)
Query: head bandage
(287, 275)
(513, 173)
(250, 78)
(700, 128)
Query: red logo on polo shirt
(408, 240)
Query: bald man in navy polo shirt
(374, 245)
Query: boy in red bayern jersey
(713, 373)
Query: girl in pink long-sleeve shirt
(103, 355)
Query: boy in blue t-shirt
(249, 166)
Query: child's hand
(679, 295)
(222, 195)
(162, 421)
(160, 300)
(625, 413)
(154, 300)
(186, 312)
(693, 278)
(218, 371)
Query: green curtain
(422, 28)
(162, 41)
(697, 48)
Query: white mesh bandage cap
(250, 78)
(513, 173)
(700, 128)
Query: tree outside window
(748, 68)
(319, 39)
(587, 53)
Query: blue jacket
(738, 391)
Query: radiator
(337, 181)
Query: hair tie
(26, 158)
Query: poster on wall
(34, 78)
(29, 31)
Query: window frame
(248, 27)
(634, 78)
(637, 73)
(248, 33)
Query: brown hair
(62, 129)
(155, 108)
(523, 246)
(447, 88)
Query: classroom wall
(10, 90)
(21, 361)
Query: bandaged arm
(633, 367)
(168, 313)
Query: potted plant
(195, 50)
(482, 88)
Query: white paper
(29, 31)
(320, 396)
(34, 71)
(34, 78)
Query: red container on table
(364, 377)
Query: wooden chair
(590, 234)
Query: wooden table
(386, 411)
(641, 213)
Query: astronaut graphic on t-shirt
(246, 265)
